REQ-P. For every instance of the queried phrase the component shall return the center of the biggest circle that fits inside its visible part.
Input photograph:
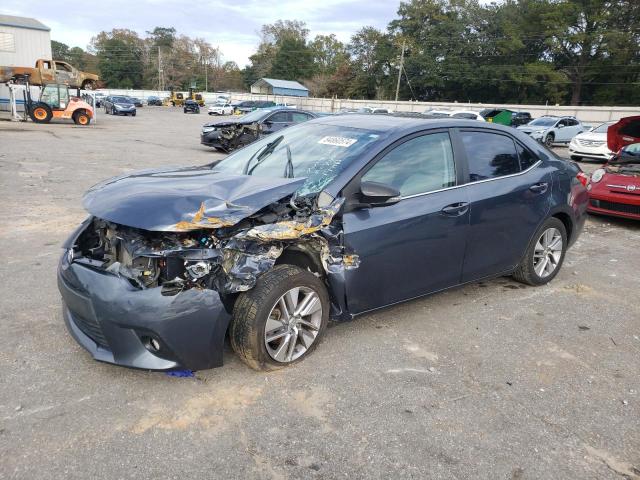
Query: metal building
(23, 40)
(272, 86)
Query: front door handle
(539, 187)
(456, 209)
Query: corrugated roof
(274, 82)
(22, 22)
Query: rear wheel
(81, 117)
(281, 320)
(545, 254)
(41, 113)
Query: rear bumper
(115, 321)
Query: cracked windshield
(313, 151)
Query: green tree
(120, 56)
(373, 56)
(293, 60)
(328, 53)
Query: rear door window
(298, 117)
(490, 155)
(527, 159)
(280, 117)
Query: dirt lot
(491, 381)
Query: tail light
(583, 178)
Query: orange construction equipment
(56, 102)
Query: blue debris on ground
(180, 373)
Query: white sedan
(591, 144)
(220, 109)
(468, 114)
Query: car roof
(392, 123)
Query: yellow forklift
(197, 97)
(175, 99)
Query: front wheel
(41, 112)
(281, 320)
(548, 140)
(545, 254)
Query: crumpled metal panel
(183, 199)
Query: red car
(615, 188)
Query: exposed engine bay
(236, 135)
(210, 253)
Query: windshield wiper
(288, 169)
(261, 155)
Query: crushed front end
(163, 300)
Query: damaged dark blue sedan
(330, 219)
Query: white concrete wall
(30, 45)
(589, 115)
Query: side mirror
(560, 126)
(375, 194)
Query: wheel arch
(303, 257)
(567, 221)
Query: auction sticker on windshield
(337, 141)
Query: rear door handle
(456, 209)
(539, 187)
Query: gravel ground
(494, 380)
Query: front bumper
(115, 321)
(211, 139)
(615, 204)
(597, 153)
(124, 111)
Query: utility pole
(206, 76)
(159, 70)
(400, 70)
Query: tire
(261, 306)
(548, 140)
(133, 114)
(529, 270)
(40, 112)
(88, 85)
(81, 117)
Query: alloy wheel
(293, 324)
(547, 252)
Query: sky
(231, 25)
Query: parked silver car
(549, 129)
